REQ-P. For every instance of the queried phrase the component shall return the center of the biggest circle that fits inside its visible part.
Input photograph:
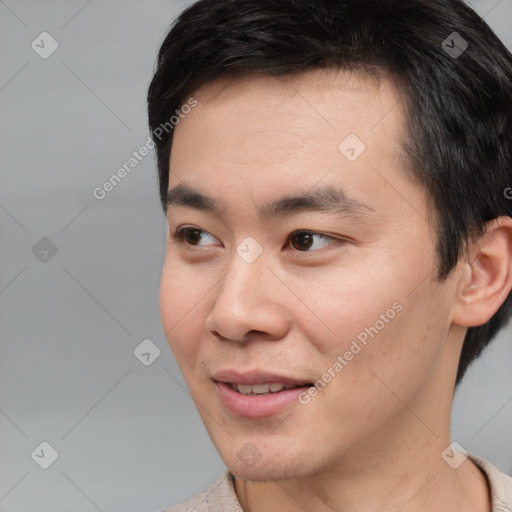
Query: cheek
(374, 321)
(181, 300)
(342, 305)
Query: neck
(427, 485)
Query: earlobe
(487, 278)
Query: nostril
(244, 339)
(256, 332)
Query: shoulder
(219, 497)
(500, 484)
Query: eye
(304, 240)
(191, 236)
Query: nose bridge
(245, 301)
(243, 280)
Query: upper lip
(254, 377)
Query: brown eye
(302, 241)
(192, 236)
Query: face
(333, 295)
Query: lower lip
(257, 406)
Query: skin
(372, 438)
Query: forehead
(329, 95)
(255, 136)
(292, 114)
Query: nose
(248, 302)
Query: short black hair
(454, 73)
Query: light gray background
(127, 435)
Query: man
(340, 244)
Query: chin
(268, 467)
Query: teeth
(244, 389)
(260, 389)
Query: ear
(486, 279)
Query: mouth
(258, 394)
(263, 389)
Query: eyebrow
(326, 199)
